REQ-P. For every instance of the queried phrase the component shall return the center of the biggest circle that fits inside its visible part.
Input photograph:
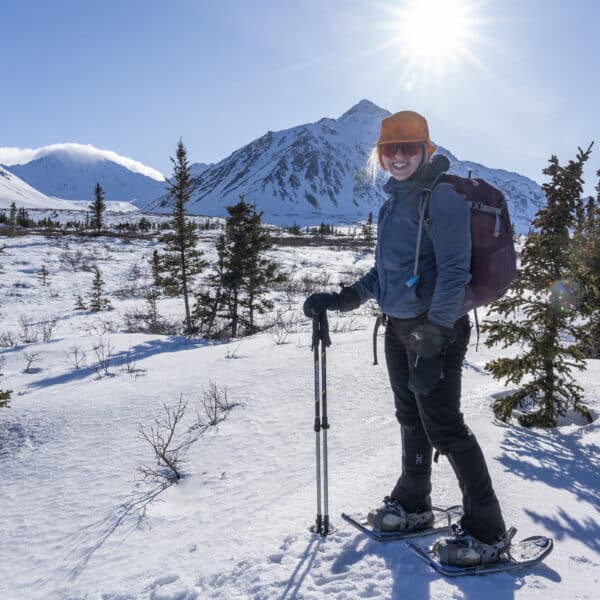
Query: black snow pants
(427, 396)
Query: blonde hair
(373, 164)
(374, 167)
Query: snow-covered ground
(78, 523)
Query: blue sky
(134, 76)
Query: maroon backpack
(493, 256)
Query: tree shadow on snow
(129, 515)
(122, 359)
(561, 461)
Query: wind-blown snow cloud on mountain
(19, 156)
(71, 171)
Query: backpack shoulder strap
(423, 224)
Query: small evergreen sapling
(12, 220)
(98, 207)
(548, 297)
(369, 232)
(4, 394)
(98, 301)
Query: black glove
(427, 344)
(347, 299)
(429, 340)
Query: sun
(434, 35)
(432, 27)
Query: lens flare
(566, 295)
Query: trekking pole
(320, 341)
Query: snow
(14, 189)
(78, 523)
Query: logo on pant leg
(419, 459)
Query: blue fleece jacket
(444, 259)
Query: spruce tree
(98, 301)
(98, 207)
(587, 260)
(212, 305)
(12, 220)
(152, 315)
(155, 267)
(260, 272)
(546, 295)
(181, 260)
(242, 275)
(368, 231)
(4, 394)
(5, 398)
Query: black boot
(482, 514)
(413, 489)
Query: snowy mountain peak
(71, 171)
(317, 171)
(84, 153)
(365, 107)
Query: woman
(426, 341)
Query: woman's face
(399, 160)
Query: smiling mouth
(399, 165)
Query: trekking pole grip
(321, 329)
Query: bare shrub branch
(29, 330)
(232, 352)
(104, 354)
(31, 358)
(76, 356)
(46, 327)
(8, 339)
(215, 406)
(284, 324)
(130, 365)
(101, 326)
(169, 448)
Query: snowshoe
(442, 519)
(463, 550)
(392, 517)
(516, 555)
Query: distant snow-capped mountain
(71, 171)
(317, 171)
(13, 189)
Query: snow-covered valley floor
(78, 523)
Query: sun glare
(434, 35)
(434, 26)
